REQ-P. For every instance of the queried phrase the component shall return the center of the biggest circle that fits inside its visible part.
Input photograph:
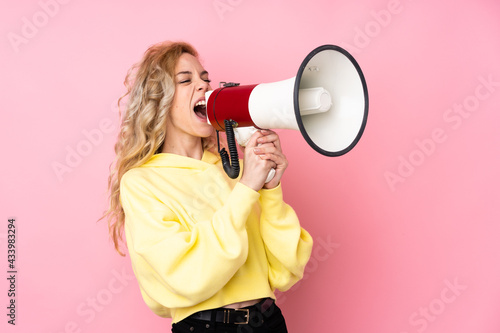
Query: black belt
(233, 316)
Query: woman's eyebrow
(184, 72)
(190, 73)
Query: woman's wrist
(270, 187)
(250, 184)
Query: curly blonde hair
(150, 90)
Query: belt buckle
(247, 315)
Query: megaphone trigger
(243, 134)
(270, 175)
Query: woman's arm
(288, 245)
(180, 265)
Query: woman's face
(188, 113)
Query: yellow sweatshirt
(198, 240)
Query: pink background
(406, 225)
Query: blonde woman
(208, 251)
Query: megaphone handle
(242, 135)
(232, 169)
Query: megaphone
(327, 101)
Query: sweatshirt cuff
(243, 197)
(271, 200)
(275, 192)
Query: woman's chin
(206, 131)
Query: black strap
(227, 316)
(233, 316)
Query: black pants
(268, 320)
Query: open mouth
(200, 109)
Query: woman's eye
(189, 80)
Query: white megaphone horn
(327, 101)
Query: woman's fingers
(266, 147)
(269, 136)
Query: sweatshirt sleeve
(178, 265)
(288, 245)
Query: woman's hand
(263, 152)
(273, 153)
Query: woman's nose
(203, 85)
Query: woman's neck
(193, 149)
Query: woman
(208, 251)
